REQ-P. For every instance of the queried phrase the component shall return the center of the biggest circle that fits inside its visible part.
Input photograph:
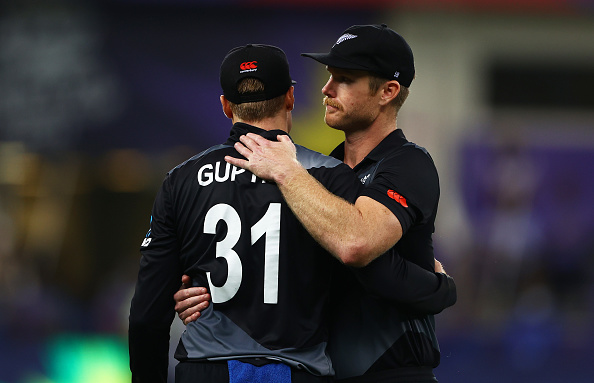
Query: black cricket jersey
(234, 234)
(372, 338)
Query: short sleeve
(407, 184)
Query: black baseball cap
(373, 48)
(266, 63)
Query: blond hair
(258, 110)
(375, 83)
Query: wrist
(290, 173)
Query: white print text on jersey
(209, 173)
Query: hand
(190, 301)
(269, 160)
(439, 267)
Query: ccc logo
(397, 197)
(248, 65)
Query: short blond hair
(259, 110)
(376, 82)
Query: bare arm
(354, 233)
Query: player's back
(269, 280)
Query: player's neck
(278, 122)
(359, 143)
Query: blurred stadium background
(100, 98)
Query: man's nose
(327, 90)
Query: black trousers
(398, 375)
(218, 372)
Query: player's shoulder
(415, 155)
(334, 174)
(202, 156)
(413, 149)
(311, 159)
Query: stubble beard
(341, 120)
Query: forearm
(355, 234)
(403, 282)
(332, 221)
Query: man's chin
(332, 123)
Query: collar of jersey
(241, 128)
(388, 144)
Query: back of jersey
(269, 280)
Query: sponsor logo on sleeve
(147, 239)
(397, 197)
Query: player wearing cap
(233, 233)
(371, 68)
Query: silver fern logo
(346, 36)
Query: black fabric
(373, 48)
(395, 279)
(401, 375)
(209, 213)
(370, 335)
(266, 63)
(365, 314)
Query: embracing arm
(356, 233)
(420, 290)
(403, 282)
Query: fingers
(192, 313)
(251, 140)
(439, 267)
(186, 293)
(189, 302)
(248, 143)
(262, 155)
(186, 282)
(243, 150)
(239, 162)
(191, 318)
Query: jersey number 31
(268, 225)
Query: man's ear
(290, 98)
(389, 91)
(226, 107)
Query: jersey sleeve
(152, 307)
(403, 282)
(344, 183)
(408, 185)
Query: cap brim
(334, 61)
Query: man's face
(350, 106)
